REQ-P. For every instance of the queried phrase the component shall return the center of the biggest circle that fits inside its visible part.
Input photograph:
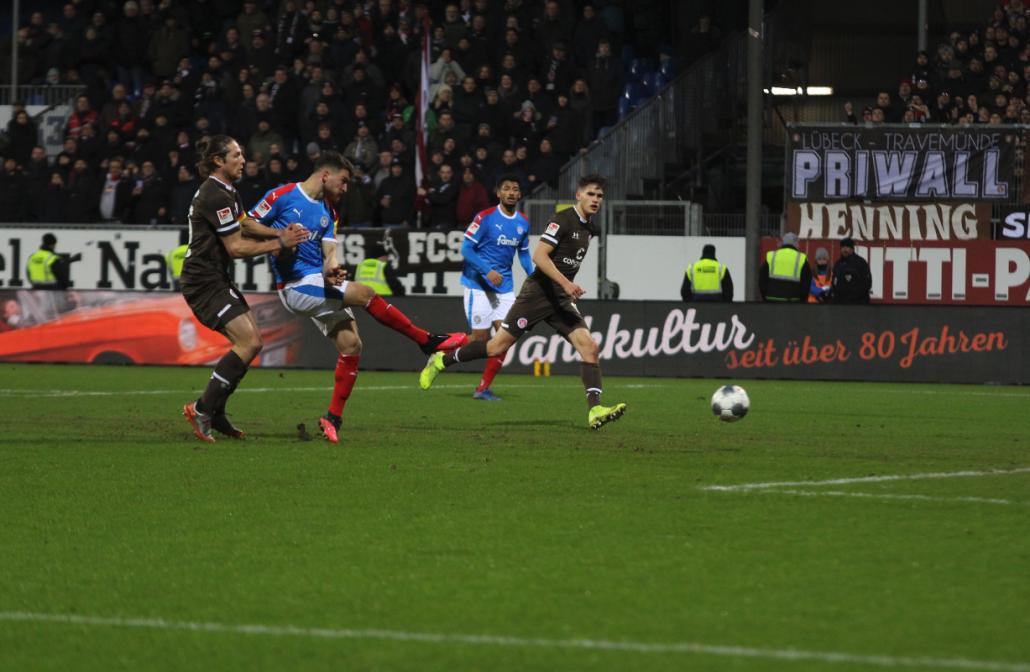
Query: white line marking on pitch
(262, 390)
(864, 479)
(520, 642)
(875, 495)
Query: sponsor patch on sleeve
(225, 216)
(473, 227)
(262, 208)
(552, 228)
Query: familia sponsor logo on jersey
(506, 241)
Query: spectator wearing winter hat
(785, 275)
(852, 279)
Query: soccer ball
(730, 403)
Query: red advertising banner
(951, 272)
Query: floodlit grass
(442, 515)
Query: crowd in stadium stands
(516, 87)
(980, 77)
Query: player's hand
(574, 290)
(495, 278)
(336, 276)
(292, 236)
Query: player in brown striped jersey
(217, 222)
(549, 295)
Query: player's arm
(542, 259)
(468, 250)
(525, 258)
(332, 271)
(252, 228)
(285, 239)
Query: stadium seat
(668, 67)
(639, 67)
(625, 107)
(648, 80)
(660, 82)
(634, 92)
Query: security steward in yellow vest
(175, 259)
(49, 270)
(707, 279)
(378, 274)
(785, 275)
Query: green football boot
(433, 368)
(602, 415)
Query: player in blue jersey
(491, 241)
(311, 283)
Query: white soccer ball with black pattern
(730, 403)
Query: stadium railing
(666, 130)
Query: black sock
(472, 351)
(227, 375)
(591, 374)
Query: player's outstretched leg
(389, 315)
(495, 347)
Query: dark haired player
(489, 248)
(311, 283)
(217, 224)
(549, 295)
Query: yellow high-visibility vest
(706, 276)
(785, 265)
(372, 273)
(41, 269)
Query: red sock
(346, 375)
(493, 365)
(386, 314)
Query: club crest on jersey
(552, 228)
(224, 215)
(522, 322)
(263, 208)
(520, 230)
(324, 222)
(473, 227)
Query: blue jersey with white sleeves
(284, 205)
(491, 241)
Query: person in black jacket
(442, 195)
(852, 279)
(396, 197)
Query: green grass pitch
(447, 534)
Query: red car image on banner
(130, 328)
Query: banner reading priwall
(901, 163)
(642, 338)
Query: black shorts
(215, 304)
(542, 302)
